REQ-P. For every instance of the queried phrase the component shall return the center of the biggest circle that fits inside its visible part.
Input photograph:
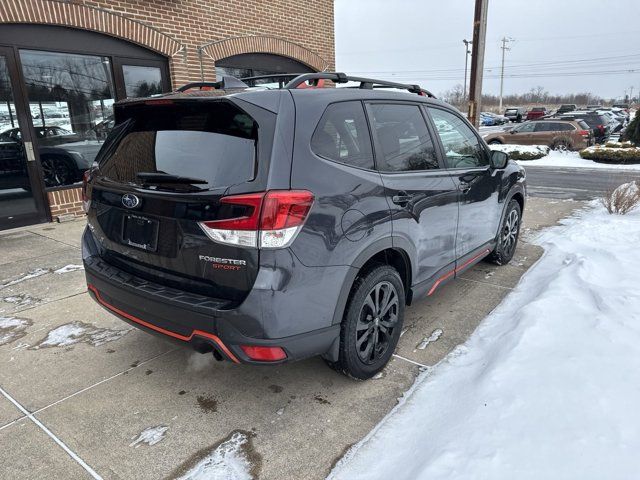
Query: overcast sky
(563, 45)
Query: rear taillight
(584, 133)
(269, 219)
(86, 201)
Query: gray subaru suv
(274, 223)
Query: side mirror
(499, 159)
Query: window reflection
(142, 81)
(71, 103)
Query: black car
(274, 225)
(516, 114)
(598, 124)
(567, 107)
(62, 163)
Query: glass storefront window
(71, 104)
(142, 81)
(16, 196)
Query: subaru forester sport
(270, 225)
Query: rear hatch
(162, 171)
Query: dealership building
(63, 63)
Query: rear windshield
(583, 124)
(212, 142)
(511, 110)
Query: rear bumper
(203, 323)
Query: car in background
(598, 124)
(623, 106)
(594, 107)
(567, 107)
(615, 124)
(61, 165)
(487, 120)
(536, 113)
(556, 134)
(516, 114)
(497, 119)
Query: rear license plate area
(140, 232)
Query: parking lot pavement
(125, 404)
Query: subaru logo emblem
(129, 200)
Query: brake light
(86, 201)
(268, 220)
(264, 354)
(584, 133)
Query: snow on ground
(11, 329)
(508, 148)
(547, 386)
(76, 332)
(68, 269)
(572, 160)
(149, 436)
(227, 462)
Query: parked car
(487, 120)
(304, 236)
(623, 106)
(517, 114)
(61, 165)
(497, 119)
(536, 113)
(567, 107)
(598, 124)
(557, 134)
(594, 107)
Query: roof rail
(226, 83)
(365, 83)
(296, 80)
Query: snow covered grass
(573, 160)
(547, 385)
(523, 152)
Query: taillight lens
(584, 133)
(269, 219)
(86, 201)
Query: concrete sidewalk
(79, 386)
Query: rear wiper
(159, 178)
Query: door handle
(402, 198)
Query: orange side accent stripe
(184, 338)
(456, 270)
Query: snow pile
(12, 328)
(227, 462)
(573, 160)
(534, 151)
(76, 332)
(547, 386)
(38, 272)
(68, 269)
(150, 436)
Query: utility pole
(477, 61)
(467, 52)
(504, 48)
(631, 94)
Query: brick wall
(179, 29)
(65, 203)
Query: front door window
(71, 104)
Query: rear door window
(212, 142)
(342, 135)
(403, 138)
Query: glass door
(21, 200)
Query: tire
(56, 171)
(561, 145)
(362, 355)
(495, 142)
(508, 235)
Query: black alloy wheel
(56, 171)
(508, 235)
(372, 322)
